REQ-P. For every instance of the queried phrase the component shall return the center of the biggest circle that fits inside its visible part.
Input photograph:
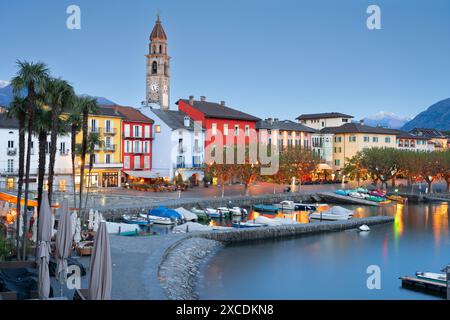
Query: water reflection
(333, 265)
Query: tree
(223, 172)
(94, 142)
(18, 111)
(74, 120)
(354, 170)
(446, 168)
(87, 106)
(297, 163)
(59, 96)
(381, 163)
(30, 77)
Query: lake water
(334, 265)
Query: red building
(219, 120)
(136, 141)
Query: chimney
(361, 122)
(222, 103)
(202, 98)
(191, 100)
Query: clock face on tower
(154, 87)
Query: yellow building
(350, 138)
(107, 158)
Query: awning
(324, 166)
(144, 174)
(13, 199)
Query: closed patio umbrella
(64, 241)
(100, 273)
(44, 238)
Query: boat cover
(188, 215)
(165, 213)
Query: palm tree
(88, 106)
(59, 96)
(74, 121)
(94, 142)
(18, 111)
(32, 78)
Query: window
(137, 162)
(337, 162)
(146, 147)
(10, 168)
(62, 148)
(157, 128)
(107, 158)
(126, 162)
(107, 142)
(236, 130)
(375, 139)
(62, 185)
(214, 129)
(147, 131)
(247, 130)
(225, 129)
(108, 126)
(337, 139)
(352, 139)
(137, 131)
(323, 124)
(94, 125)
(137, 147)
(366, 139)
(387, 139)
(344, 120)
(127, 130)
(128, 145)
(147, 162)
(196, 146)
(10, 144)
(154, 67)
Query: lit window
(157, 128)
(214, 129)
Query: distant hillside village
(149, 142)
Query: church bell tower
(158, 68)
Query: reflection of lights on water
(440, 222)
(103, 201)
(212, 223)
(398, 221)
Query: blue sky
(269, 58)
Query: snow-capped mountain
(4, 83)
(386, 119)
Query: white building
(178, 145)
(319, 121)
(322, 146)
(9, 158)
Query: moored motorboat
(135, 220)
(165, 212)
(432, 276)
(158, 220)
(364, 228)
(398, 199)
(248, 224)
(286, 205)
(187, 215)
(265, 208)
(335, 213)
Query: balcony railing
(12, 151)
(64, 152)
(111, 131)
(95, 130)
(110, 148)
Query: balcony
(63, 153)
(95, 130)
(11, 152)
(110, 131)
(138, 151)
(109, 148)
(181, 149)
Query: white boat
(285, 221)
(116, 228)
(224, 210)
(191, 227)
(268, 221)
(364, 228)
(187, 215)
(431, 276)
(157, 220)
(249, 224)
(357, 195)
(286, 205)
(335, 213)
(213, 213)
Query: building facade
(222, 124)
(178, 145)
(158, 68)
(9, 158)
(284, 134)
(319, 121)
(435, 137)
(107, 156)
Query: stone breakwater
(278, 232)
(179, 270)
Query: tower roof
(158, 31)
